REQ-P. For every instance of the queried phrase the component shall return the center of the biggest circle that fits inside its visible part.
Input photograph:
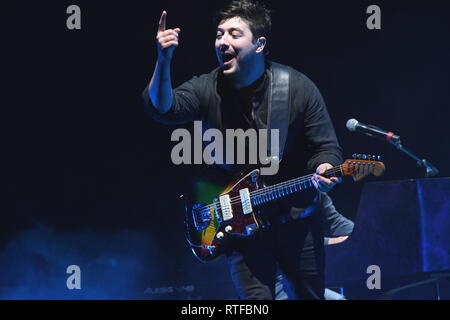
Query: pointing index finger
(162, 21)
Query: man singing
(236, 95)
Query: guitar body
(217, 211)
(206, 229)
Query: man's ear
(260, 44)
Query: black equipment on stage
(401, 226)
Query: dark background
(88, 178)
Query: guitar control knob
(228, 229)
(250, 231)
(219, 235)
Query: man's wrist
(164, 61)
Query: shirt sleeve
(320, 136)
(335, 224)
(186, 102)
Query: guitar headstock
(362, 165)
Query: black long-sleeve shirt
(212, 99)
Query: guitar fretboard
(286, 188)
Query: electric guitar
(221, 213)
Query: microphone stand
(431, 170)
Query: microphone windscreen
(351, 124)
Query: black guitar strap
(279, 104)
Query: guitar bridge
(201, 214)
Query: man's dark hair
(255, 14)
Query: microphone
(372, 131)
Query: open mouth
(227, 57)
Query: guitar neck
(289, 187)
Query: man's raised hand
(167, 39)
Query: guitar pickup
(245, 200)
(225, 205)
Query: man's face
(235, 47)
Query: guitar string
(291, 182)
(266, 190)
(287, 184)
(260, 192)
(269, 189)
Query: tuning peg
(378, 158)
(354, 156)
(364, 156)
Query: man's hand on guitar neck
(323, 184)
